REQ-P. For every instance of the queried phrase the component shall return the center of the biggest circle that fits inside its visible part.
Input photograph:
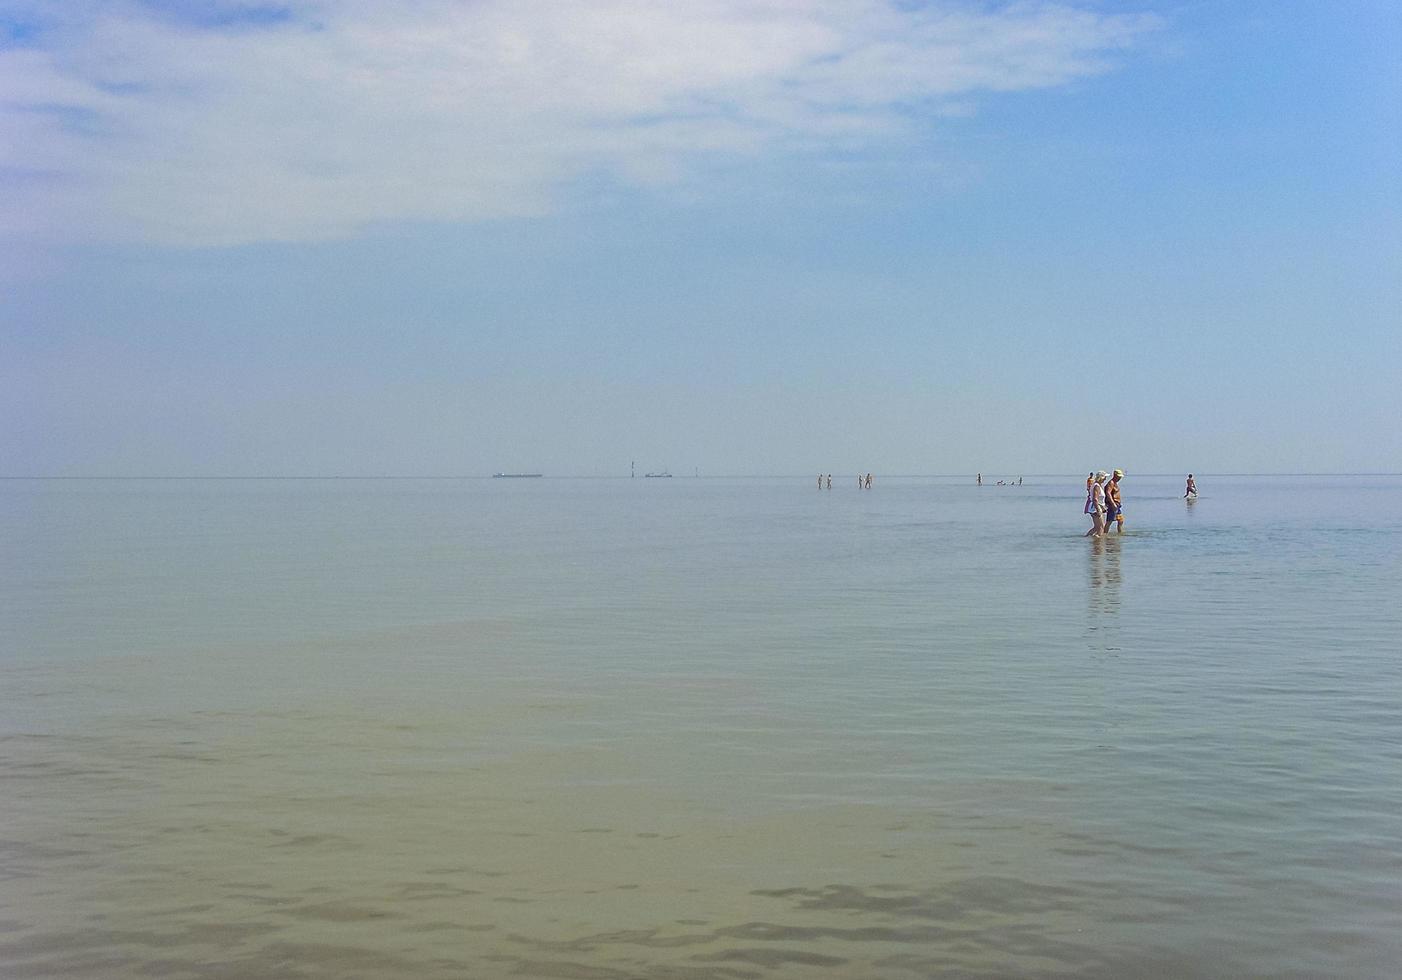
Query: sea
(700, 729)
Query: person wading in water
(1096, 505)
(1114, 506)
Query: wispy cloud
(227, 122)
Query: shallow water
(699, 729)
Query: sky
(452, 237)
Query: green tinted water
(699, 728)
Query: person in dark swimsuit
(1114, 506)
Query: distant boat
(664, 475)
(515, 476)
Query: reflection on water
(1105, 572)
(1104, 592)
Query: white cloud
(117, 122)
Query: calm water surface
(699, 729)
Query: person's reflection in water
(1105, 575)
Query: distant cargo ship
(658, 476)
(515, 476)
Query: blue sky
(742, 237)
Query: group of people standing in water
(862, 482)
(1106, 507)
(1104, 504)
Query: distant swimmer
(978, 479)
(829, 481)
(868, 481)
(1019, 481)
(1114, 509)
(820, 481)
(1192, 489)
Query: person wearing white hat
(1097, 506)
(1114, 509)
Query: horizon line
(576, 476)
